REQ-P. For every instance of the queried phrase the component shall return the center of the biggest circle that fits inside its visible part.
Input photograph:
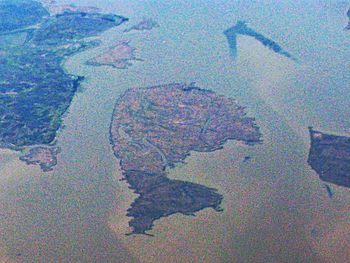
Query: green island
(154, 128)
(35, 91)
(329, 156)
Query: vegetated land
(154, 128)
(241, 28)
(329, 156)
(35, 91)
(17, 14)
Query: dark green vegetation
(35, 91)
(16, 14)
(155, 128)
(241, 28)
(329, 156)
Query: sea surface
(275, 207)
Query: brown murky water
(275, 208)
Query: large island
(329, 156)
(35, 91)
(154, 128)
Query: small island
(145, 24)
(329, 156)
(46, 157)
(241, 28)
(155, 128)
(119, 56)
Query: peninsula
(155, 128)
(35, 90)
(329, 156)
(241, 28)
(46, 157)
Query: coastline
(51, 124)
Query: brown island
(154, 128)
(44, 156)
(119, 56)
(329, 156)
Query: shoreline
(83, 45)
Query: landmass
(329, 156)
(241, 28)
(46, 157)
(154, 128)
(20, 14)
(35, 91)
(348, 26)
(145, 24)
(119, 56)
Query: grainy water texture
(275, 207)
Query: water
(276, 209)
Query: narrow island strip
(241, 28)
